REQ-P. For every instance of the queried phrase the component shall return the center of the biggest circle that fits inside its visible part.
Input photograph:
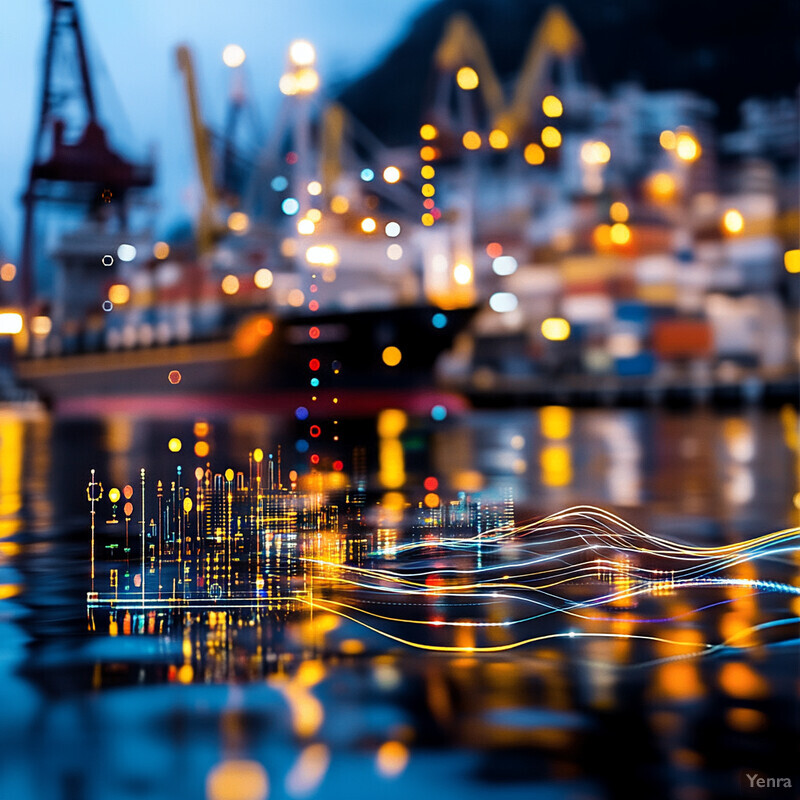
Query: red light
(313, 288)
(315, 430)
(313, 365)
(291, 157)
(494, 249)
(315, 459)
(429, 203)
(431, 484)
(436, 213)
(313, 305)
(338, 466)
(313, 332)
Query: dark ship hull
(257, 364)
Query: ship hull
(244, 364)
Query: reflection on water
(215, 686)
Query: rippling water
(304, 702)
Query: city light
(467, 78)
(620, 233)
(391, 356)
(10, 322)
(233, 56)
(687, 147)
(119, 294)
(667, 140)
(230, 284)
(619, 212)
(595, 153)
(498, 139)
(8, 272)
(126, 252)
(471, 140)
(556, 329)
(428, 132)
(551, 137)
(161, 250)
(314, 188)
(368, 225)
(305, 226)
(504, 265)
(238, 222)
(392, 229)
(733, 221)
(552, 106)
(534, 154)
(462, 274)
(322, 255)
(41, 325)
(503, 302)
(791, 260)
(391, 175)
(302, 53)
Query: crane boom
(208, 213)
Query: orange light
(733, 221)
(119, 294)
(428, 132)
(368, 225)
(428, 153)
(552, 106)
(201, 449)
(534, 154)
(230, 284)
(467, 78)
(551, 137)
(498, 139)
(471, 140)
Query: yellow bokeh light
(161, 250)
(595, 153)
(113, 495)
(552, 106)
(238, 222)
(392, 759)
(432, 500)
(263, 278)
(258, 455)
(368, 225)
(41, 325)
(314, 214)
(498, 139)
(462, 274)
(471, 140)
(619, 212)
(322, 255)
(620, 233)
(175, 445)
(305, 227)
(10, 322)
(428, 190)
(467, 78)
(555, 422)
(237, 780)
(8, 271)
(791, 260)
(427, 220)
(186, 674)
(733, 221)
(687, 147)
(667, 140)
(201, 429)
(295, 298)
(427, 153)
(427, 172)
(229, 474)
(428, 132)
(307, 80)
(201, 449)
(391, 356)
(661, 186)
(534, 154)
(288, 84)
(601, 236)
(119, 294)
(556, 465)
(230, 284)
(391, 422)
(233, 56)
(340, 204)
(391, 175)
(556, 329)
(551, 137)
(302, 53)
(187, 504)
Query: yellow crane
(208, 223)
